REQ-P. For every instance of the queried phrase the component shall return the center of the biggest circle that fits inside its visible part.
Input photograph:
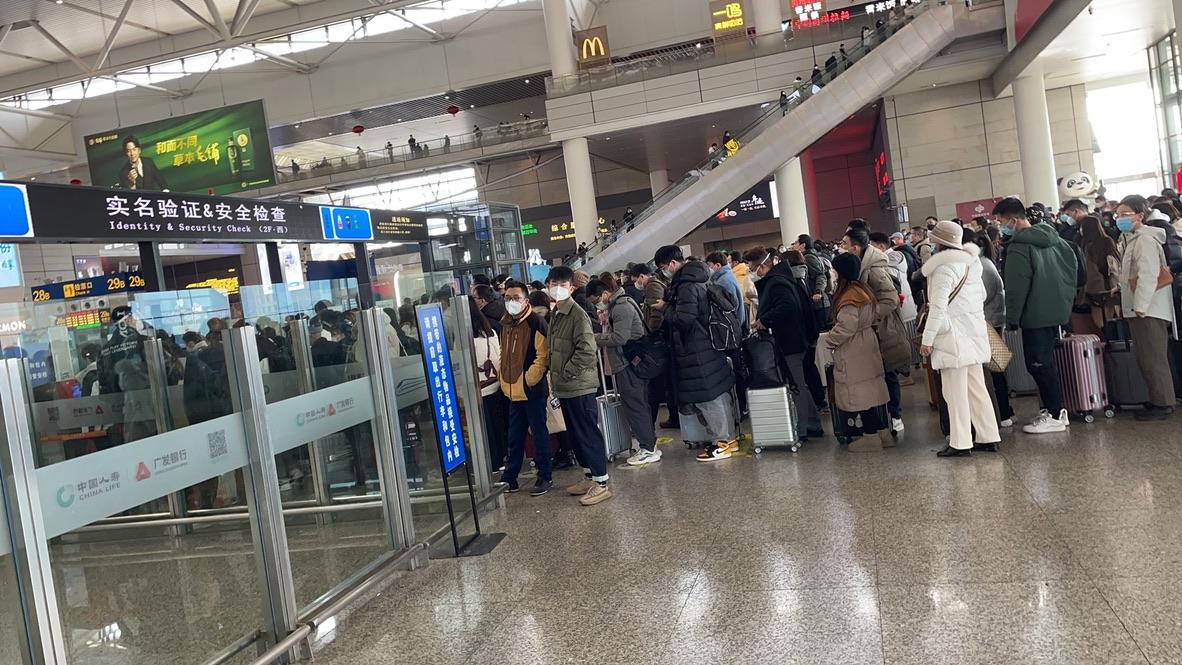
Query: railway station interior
(289, 288)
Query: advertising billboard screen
(224, 150)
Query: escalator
(874, 67)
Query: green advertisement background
(105, 157)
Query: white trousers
(969, 406)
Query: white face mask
(558, 293)
(514, 307)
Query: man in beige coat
(875, 274)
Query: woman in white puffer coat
(955, 339)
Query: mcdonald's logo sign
(592, 47)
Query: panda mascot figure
(1078, 185)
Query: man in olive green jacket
(574, 378)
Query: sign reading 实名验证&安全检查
(441, 386)
(223, 149)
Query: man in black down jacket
(785, 308)
(702, 376)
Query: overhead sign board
(728, 19)
(78, 214)
(592, 48)
(224, 150)
(90, 287)
(754, 205)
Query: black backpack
(648, 354)
(723, 319)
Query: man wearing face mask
(525, 356)
(1072, 214)
(656, 287)
(702, 376)
(1040, 284)
(624, 325)
(574, 373)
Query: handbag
(554, 421)
(649, 354)
(488, 371)
(1000, 354)
(922, 320)
(1164, 278)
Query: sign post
(449, 432)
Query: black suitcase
(848, 426)
(1126, 384)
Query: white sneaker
(896, 424)
(1064, 419)
(1044, 424)
(644, 457)
(1007, 423)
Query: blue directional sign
(441, 386)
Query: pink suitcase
(1080, 362)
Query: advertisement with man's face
(222, 150)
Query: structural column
(559, 38)
(790, 194)
(768, 16)
(658, 181)
(1034, 138)
(580, 185)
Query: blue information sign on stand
(441, 385)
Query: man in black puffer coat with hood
(703, 376)
(785, 308)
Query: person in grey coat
(622, 323)
(995, 316)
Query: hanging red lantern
(76, 182)
(453, 110)
(357, 129)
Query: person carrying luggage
(1040, 285)
(574, 373)
(524, 358)
(785, 308)
(624, 325)
(995, 317)
(956, 341)
(1102, 265)
(702, 375)
(660, 389)
(1146, 300)
(859, 384)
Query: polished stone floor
(1059, 549)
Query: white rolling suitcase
(773, 418)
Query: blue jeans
(529, 414)
(1038, 344)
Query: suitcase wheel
(1089, 418)
(758, 449)
(1109, 412)
(796, 446)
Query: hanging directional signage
(591, 47)
(728, 19)
(75, 214)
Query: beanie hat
(848, 266)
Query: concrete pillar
(559, 38)
(1034, 138)
(768, 15)
(1177, 7)
(658, 180)
(790, 194)
(580, 185)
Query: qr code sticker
(217, 444)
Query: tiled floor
(1060, 549)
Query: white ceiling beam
(289, 63)
(95, 12)
(62, 47)
(148, 86)
(107, 45)
(201, 20)
(4, 32)
(218, 21)
(36, 113)
(435, 34)
(286, 21)
(242, 16)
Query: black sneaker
(949, 451)
(986, 447)
(513, 488)
(541, 487)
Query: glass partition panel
(320, 417)
(127, 425)
(12, 624)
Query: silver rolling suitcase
(616, 434)
(773, 418)
(1017, 376)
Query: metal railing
(405, 155)
(791, 98)
(707, 53)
